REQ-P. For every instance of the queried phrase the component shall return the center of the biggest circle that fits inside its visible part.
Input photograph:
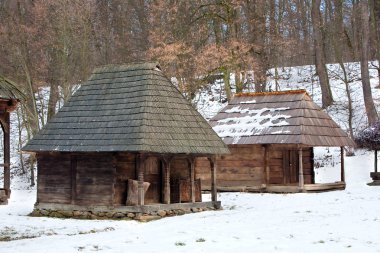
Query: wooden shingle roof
(289, 117)
(9, 90)
(128, 108)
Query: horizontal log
(95, 181)
(94, 189)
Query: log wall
(54, 178)
(75, 179)
(245, 166)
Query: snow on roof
(288, 117)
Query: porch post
(166, 180)
(192, 180)
(140, 178)
(6, 142)
(375, 161)
(266, 168)
(342, 177)
(213, 178)
(300, 162)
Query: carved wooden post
(213, 178)
(166, 197)
(73, 179)
(375, 161)
(342, 176)
(140, 178)
(7, 159)
(300, 162)
(192, 179)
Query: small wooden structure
(10, 96)
(127, 140)
(370, 138)
(271, 138)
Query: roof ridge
(274, 93)
(127, 66)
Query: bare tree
(367, 93)
(320, 61)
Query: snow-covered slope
(341, 221)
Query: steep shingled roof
(9, 90)
(285, 117)
(128, 108)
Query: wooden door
(153, 175)
(290, 166)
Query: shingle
(300, 121)
(128, 108)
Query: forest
(56, 44)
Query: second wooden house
(271, 137)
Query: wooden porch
(289, 188)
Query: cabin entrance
(153, 175)
(290, 166)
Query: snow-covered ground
(340, 221)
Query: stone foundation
(122, 213)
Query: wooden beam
(7, 158)
(375, 161)
(73, 179)
(300, 166)
(213, 164)
(266, 167)
(140, 178)
(342, 176)
(166, 191)
(192, 179)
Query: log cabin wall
(179, 169)
(283, 164)
(54, 178)
(95, 179)
(74, 178)
(245, 166)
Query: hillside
(340, 221)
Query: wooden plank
(73, 179)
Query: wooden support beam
(300, 166)
(213, 164)
(140, 178)
(342, 176)
(192, 179)
(7, 158)
(375, 161)
(166, 191)
(73, 179)
(266, 167)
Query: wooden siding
(54, 178)
(245, 166)
(95, 178)
(125, 169)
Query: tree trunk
(366, 85)
(320, 61)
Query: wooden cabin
(370, 138)
(10, 96)
(271, 137)
(124, 145)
